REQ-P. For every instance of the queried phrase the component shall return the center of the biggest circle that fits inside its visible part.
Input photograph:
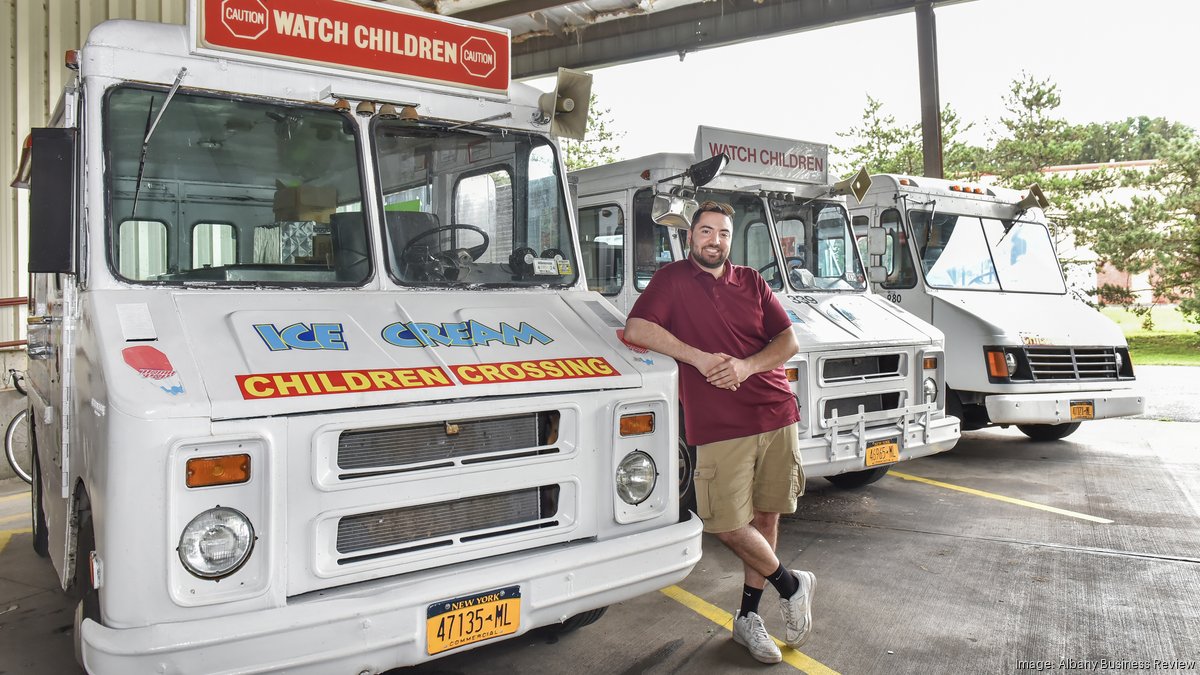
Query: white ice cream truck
(869, 376)
(979, 263)
(316, 379)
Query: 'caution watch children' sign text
(379, 39)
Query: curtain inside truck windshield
(232, 192)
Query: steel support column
(931, 106)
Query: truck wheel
(89, 597)
(41, 538)
(857, 479)
(687, 469)
(1048, 432)
(578, 621)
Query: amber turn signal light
(225, 470)
(996, 365)
(930, 362)
(793, 374)
(637, 425)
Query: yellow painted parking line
(724, 619)
(5, 535)
(14, 497)
(1002, 498)
(13, 519)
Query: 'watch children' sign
(373, 38)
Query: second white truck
(869, 376)
(978, 262)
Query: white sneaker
(797, 610)
(749, 632)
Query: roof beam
(689, 28)
(507, 9)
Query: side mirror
(876, 241)
(876, 274)
(52, 182)
(703, 173)
(673, 210)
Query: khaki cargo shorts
(737, 477)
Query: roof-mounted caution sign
(372, 37)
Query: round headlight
(636, 476)
(1120, 362)
(216, 543)
(931, 390)
(1011, 362)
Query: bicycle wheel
(16, 446)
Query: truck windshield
(818, 246)
(233, 192)
(979, 253)
(472, 207)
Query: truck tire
(41, 538)
(578, 621)
(1048, 432)
(687, 483)
(89, 598)
(857, 479)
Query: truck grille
(1073, 363)
(870, 403)
(425, 526)
(370, 452)
(861, 368)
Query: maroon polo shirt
(738, 315)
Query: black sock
(750, 598)
(784, 581)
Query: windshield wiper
(149, 132)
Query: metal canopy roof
(547, 34)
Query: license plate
(450, 624)
(886, 451)
(1083, 410)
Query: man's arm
(650, 335)
(731, 372)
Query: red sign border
(199, 46)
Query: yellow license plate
(450, 624)
(1083, 410)
(883, 452)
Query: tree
(1160, 231)
(885, 146)
(1033, 138)
(1133, 138)
(599, 145)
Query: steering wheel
(474, 251)
(787, 259)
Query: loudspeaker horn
(566, 107)
(857, 185)
(1035, 198)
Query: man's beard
(721, 258)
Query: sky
(1110, 60)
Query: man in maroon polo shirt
(731, 337)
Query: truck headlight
(931, 390)
(1010, 362)
(216, 543)
(636, 475)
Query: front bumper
(842, 447)
(1055, 408)
(375, 626)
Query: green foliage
(599, 145)
(884, 146)
(1160, 230)
(1130, 139)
